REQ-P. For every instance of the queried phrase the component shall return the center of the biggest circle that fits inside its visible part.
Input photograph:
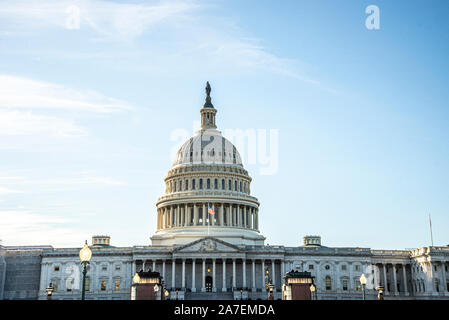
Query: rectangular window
(103, 285)
(345, 285)
(56, 268)
(310, 266)
(357, 267)
(357, 284)
(343, 267)
(104, 267)
(117, 285)
(117, 267)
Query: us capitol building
(208, 245)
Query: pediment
(208, 244)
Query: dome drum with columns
(207, 172)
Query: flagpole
(431, 234)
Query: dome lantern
(208, 111)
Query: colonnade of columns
(196, 214)
(270, 270)
(393, 277)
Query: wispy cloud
(113, 21)
(19, 92)
(189, 28)
(70, 181)
(22, 227)
(5, 191)
(29, 123)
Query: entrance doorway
(208, 284)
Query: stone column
(165, 217)
(193, 275)
(204, 214)
(212, 216)
(163, 270)
(173, 274)
(244, 272)
(203, 287)
(273, 273)
(233, 273)
(134, 268)
(195, 214)
(384, 267)
(257, 219)
(263, 276)
(170, 222)
(154, 265)
(244, 217)
(283, 272)
(224, 289)
(252, 217)
(222, 215)
(254, 276)
(214, 286)
(239, 222)
(186, 215)
(404, 277)
(443, 276)
(143, 265)
(228, 216)
(183, 274)
(395, 284)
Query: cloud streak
(19, 92)
(22, 227)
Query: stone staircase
(208, 296)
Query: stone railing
(199, 194)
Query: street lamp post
(363, 283)
(136, 281)
(49, 290)
(380, 293)
(85, 255)
(312, 290)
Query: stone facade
(208, 246)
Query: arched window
(193, 184)
(222, 184)
(230, 185)
(328, 283)
(235, 185)
(208, 183)
(216, 184)
(174, 187)
(240, 186)
(186, 186)
(201, 183)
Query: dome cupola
(207, 191)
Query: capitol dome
(208, 147)
(207, 191)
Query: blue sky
(90, 115)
